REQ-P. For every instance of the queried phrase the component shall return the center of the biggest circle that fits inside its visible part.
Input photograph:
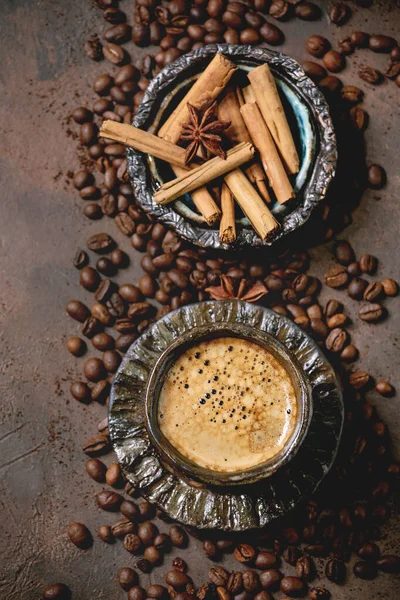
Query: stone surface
(43, 486)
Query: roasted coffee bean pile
(345, 516)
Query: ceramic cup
(182, 466)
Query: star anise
(244, 291)
(203, 132)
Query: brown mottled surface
(43, 76)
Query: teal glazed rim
(234, 507)
(313, 131)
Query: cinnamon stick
(227, 228)
(269, 155)
(252, 205)
(143, 141)
(201, 95)
(270, 105)
(229, 110)
(248, 94)
(200, 176)
(202, 199)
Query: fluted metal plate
(319, 175)
(235, 509)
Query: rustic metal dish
(309, 119)
(178, 463)
(236, 507)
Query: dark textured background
(43, 485)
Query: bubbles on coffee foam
(227, 383)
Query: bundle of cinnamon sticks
(257, 138)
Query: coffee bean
(369, 551)
(93, 369)
(136, 593)
(96, 469)
(101, 313)
(251, 581)
(162, 542)
(279, 9)
(316, 45)
(332, 307)
(82, 179)
(389, 563)
(218, 575)
(132, 543)
(177, 580)
(105, 534)
(293, 587)
(359, 118)
(91, 192)
(371, 312)
(313, 70)
(270, 579)
(359, 39)
(100, 242)
(349, 353)
(127, 578)
(79, 535)
(178, 536)
(82, 115)
(351, 94)
(118, 34)
(265, 560)
(77, 310)
(234, 585)
(270, 34)
(114, 150)
(155, 558)
(91, 326)
(244, 553)
(359, 379)
(211, 550)
(333, 61)
(376, 177)
(105, 266)
(381, 43)
(147, 531)
(365, 569)
(291, 554)
(307, 11)
(369, 74)
(357, 287)
(80, 391)
(319, 593)
(330, 85)
(156, 591)
(384, 388)
(249, 36)
(390, 287)
(316, 550)
(114, 54)
(123, 527)
(56, 591)
(103, 84)
(76, 346)
(336, 277)
(123, 342)
(305, 568)
(335, 570)
(336, 340)
(339, 13)
(108, 500)
(373, 291)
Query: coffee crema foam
(227, 404)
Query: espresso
(227, 404)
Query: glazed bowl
(309, 120)
(177, 462)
